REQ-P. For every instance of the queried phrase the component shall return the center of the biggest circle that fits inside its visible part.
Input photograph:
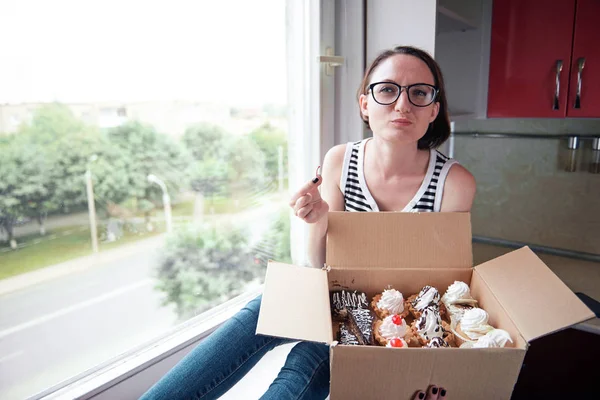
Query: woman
(403, 101)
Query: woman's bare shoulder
(332, 165)
(335, 155)
(459, 189)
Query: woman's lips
(401, 122)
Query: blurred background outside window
(143, 173)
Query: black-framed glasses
(419, 94)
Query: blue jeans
(223, 358)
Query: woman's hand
(307, 202)
(433, 393)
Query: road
(59, 328)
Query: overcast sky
(230, 51)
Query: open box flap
(295, 303)
(399, 240)
(537, 301)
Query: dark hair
(439, 129)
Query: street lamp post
(166, 200)
(91, 204)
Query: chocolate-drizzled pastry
(352, 307)
(437, 342)
(342, 301)
(427, 297)
(429, 325)
(346, 337)
(360, 321)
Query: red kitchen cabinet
(535, 50)
(584, 87)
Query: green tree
(47, 143)
(270, 139)
(10, 176)
(281, 237)
(67, 146)
(145, 152)
(202, 267)
(25, 185)
(205, 141)
(36, 188)
(246, 165)
(75, 153)
(207, 144)
(209, 176)
(276, 244)
(50, 123)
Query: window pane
(154, 133)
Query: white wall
(464, 59)
(400, 22)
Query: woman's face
(400, 121)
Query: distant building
(170, 117)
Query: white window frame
(328, 114)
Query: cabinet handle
(580, 65)
(559, 66)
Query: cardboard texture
(538, 302)
(399, 240)
(407, 281)
(368, 252)
(295, 303)
(358, 372)
(498, 315)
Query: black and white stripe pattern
(427, 200)
(358, 198)
(353, 195)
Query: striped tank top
(358, 198)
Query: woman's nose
(402, 104)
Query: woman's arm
(332, 195)
(459, 190)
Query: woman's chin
(401, 136)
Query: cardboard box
(368, 252)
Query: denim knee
(305, 374)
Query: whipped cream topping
(474, 323)
(428, 296)
(429, 325)
(457, 311)
(458, 293)
(494, 338)
(390, 330)
(392, 301)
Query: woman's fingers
(420, 395)
(304, 211)
(302, 202)
(307, 202)
(313, 211)
(433, 393)
(309, 187)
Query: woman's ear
(434, 111)
(362, 102)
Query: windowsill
(105, 376)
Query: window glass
(143, 172)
